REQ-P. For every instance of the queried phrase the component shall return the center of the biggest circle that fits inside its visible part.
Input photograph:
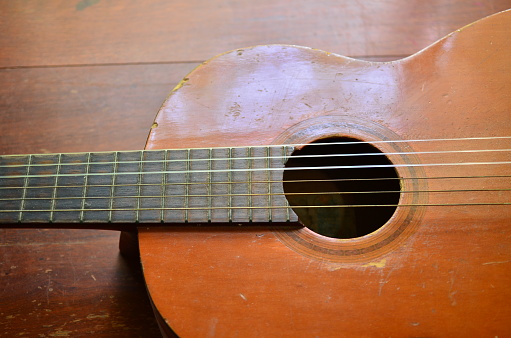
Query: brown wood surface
(90, 75)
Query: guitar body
(430, 270)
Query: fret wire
(54, 193)
(284, 157)
(139, 188)
(24, 194)
(291, 168)
(295, 207)
(112, 190)
(278, 194)
(84, 191)
(210, 199)
(164, 185)
(187, 179)
(268, 175)
(297, 156)
(250, 152)
(290, 181)
(229, 185)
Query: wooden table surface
(90, 75)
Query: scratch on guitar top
(384, 280)
(486, 59)
(501, 262)
(451, 288)
(212, 327)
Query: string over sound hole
(341, 187)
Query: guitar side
(430, 270)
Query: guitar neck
(218, 185)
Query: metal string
(251, 158)
(259, 182)
(262, 169)
(271, 207)
(257, 194)
(302, 145)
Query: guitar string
(267, 207)
(259, 182)
(261, 169)
(254, 158)
(253, 194)
(292, 145)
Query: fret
(268, 175)
(249, 174)
(187, 186)
(151, 187)
(54, 194)
(259, 184)
(126, 202)
(229, 185)
(210, 198)
(25, 186)
(84, 191)
(164, 185)
(240, 212)
(198, 186)
(112, 194)
(69, 189)
(139, 182)
(221, 191)
(176, 188)
(99, 186)
(41, 183)
(284, 160)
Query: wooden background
(90, 75)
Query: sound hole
(346, 201)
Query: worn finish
(46, 106)
(431, 270)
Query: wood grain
(92, 32)
(68, 283)
(78, 109)
(127, 57)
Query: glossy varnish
(439, 266)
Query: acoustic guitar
(286, 191)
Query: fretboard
(221, 185)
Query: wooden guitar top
(439, 266)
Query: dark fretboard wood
(171, 186)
